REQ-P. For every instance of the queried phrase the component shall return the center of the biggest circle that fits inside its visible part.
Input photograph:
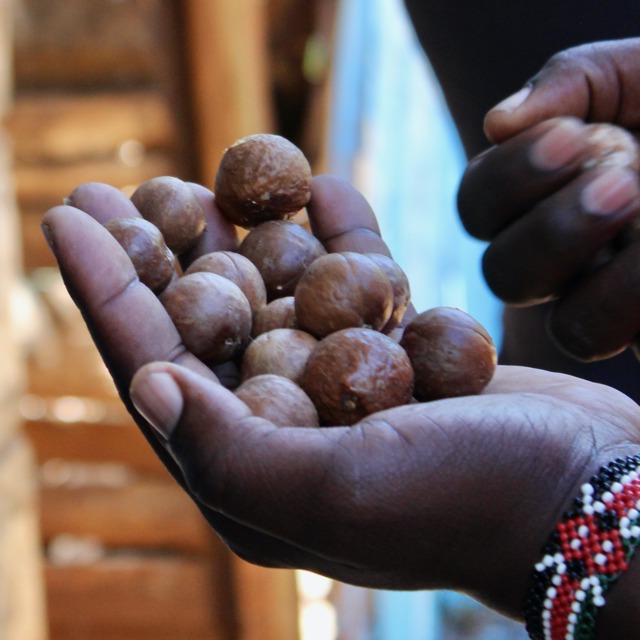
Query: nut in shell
(282, 251)
(355, 372)
(451, 353)
(174, 208)
(278, 400)
(399, 284)
(239, 270)
(142, 241)
(211, 314)
(341, 290)
(262, 177)
(278, 314)
(281, 351)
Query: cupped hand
(554, 226)
(456, 493)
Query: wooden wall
(120, 92)
(22, 606)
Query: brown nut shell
(281, 251)
(341, 290)
(452, 354)
(281, 351)
(142, 241)
(239, 270)
(174, 208)
(278, 314)
(355, 372)
(211, 314)
(278, 400)
(399, 284)
(262, 177)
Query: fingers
(355, 502)
(600, 316)
(342, 219)
(594, 82)
(546, 217)
(239, 465)
(501, 184)
(127, 321)
(545, 251)
(102, 201)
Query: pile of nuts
(316, 336)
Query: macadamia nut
(451, 353)
(211, 314)
(262, 177)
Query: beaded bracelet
(589, 549)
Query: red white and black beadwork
(589, 549)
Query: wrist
(589, 552)
(620, 618)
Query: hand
(456, 494)
(551, 225)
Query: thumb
(595, 82)
(231, 461)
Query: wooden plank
(141, 598)
(42, 186)
(93, 443)
(69, 370)
(76, 43)
(65, 127)
(267, 602)
(110, 504)
(226, 52)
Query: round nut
(239, 270)
(174, 208)
(399, 284)
(262, 177)
(278, 314)
(341, 290)
(278, 400)
(281, 351)
(451, 353)
(281, 251)
(211, 314)
(142, 241)
(355, 372)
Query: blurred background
(96, 541)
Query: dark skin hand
(553, 227)
(482, 52)
(457, 494)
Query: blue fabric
(392, 136)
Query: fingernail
(514, 101)
(559, 146)
(159, 399)
(611, 191)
